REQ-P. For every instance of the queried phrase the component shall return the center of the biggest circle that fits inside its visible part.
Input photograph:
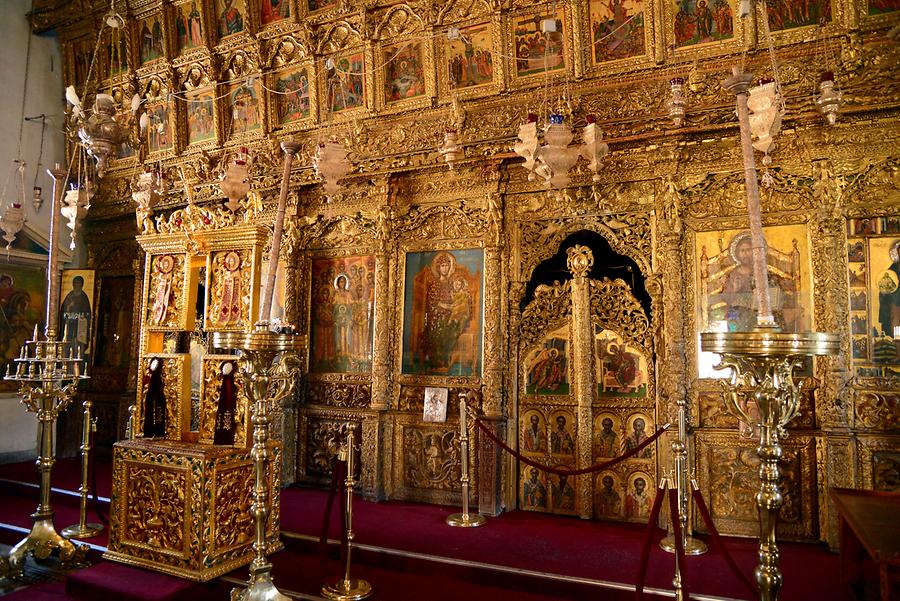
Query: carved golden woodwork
(659, 188)
(184, 509)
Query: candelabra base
(261, 587)
(41, 542)
(347, 590)
(79, 531)
(466, 520)
(692, 546)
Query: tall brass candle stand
(692, 546)
(464, 519)
(48, 380)
(762, 364)
(268, 368)
(348, 589)
(82, 529)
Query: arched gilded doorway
(586, 383)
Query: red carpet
(408, 552)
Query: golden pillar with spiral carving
(762, 364)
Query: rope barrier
(566, 472)
(338, 473)
(648, 539)
(717, 540)
(675, 519)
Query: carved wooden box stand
(184, 482)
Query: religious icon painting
(82, 53)
(189, 25)
(621, 370)
(562, 492)
(343, 309)
(201, 116)
(885, 470)
(345, 84)
(159, 133)
(727, 297)
(879, 318)
(244, 110)
(533, 433)
(617, 29)
(538, 51)
(165, 292)
(404, 71)
(533, 489)
(23, 292)
(562, 433)
(293, 96)
(638, 428)
(116, 52)
(607, 436)
(880, 7)
(151, 39)
(639, 497)
(546, 368)
(798, 13)
(435, 405)
(231, 16)
(469, 58)
(272, 11)
(609, 499)
(229, 290)
(442, 315)
(702, 21)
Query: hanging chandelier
(552, 160)
(76, 203)
(235, 180)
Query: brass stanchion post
(464, 519)
(348, 589)
(681, 483)
(82, 529)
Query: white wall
(44, 95)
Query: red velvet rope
(679, 547)
(648, 540)
(717, 540)
(564, 472)
(338, 472)
(92, 469)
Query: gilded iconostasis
(416, 276)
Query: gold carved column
(580, 260)
(381, 362)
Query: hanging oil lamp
(235, 181)
(829, 99)
(331, 164)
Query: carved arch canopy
(627, 234)
(550, 309)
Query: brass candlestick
(82, 529)
(762, 364)
(348, 589)
(268, 368)
(464, 519)
(48, 380)
(692, 546)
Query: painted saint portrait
(201, 124)
(22, 300)
(274, 10)
(469, 58)
(702, 21)
(608, 502)
(292, 98)
(562, 433)
(151, 39)
(562, 493)
(786, 14)
(534, 489)
(546, 368)
(638, 428)
(82, 51)
(880, 7)
(621, 370)
(727, 295)
(116, 53)
(882, 349)
(230, 16)
(345, 84)
(536, 51)
(244, 110)
(404, 72)
(314, 5)
(188, 26)
(639, 497)
(343, 308)
(617, 29)
(534, 433)
(607, 435)
(442, 321)
(159, 130)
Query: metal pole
(82, 529)
(464, 519)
